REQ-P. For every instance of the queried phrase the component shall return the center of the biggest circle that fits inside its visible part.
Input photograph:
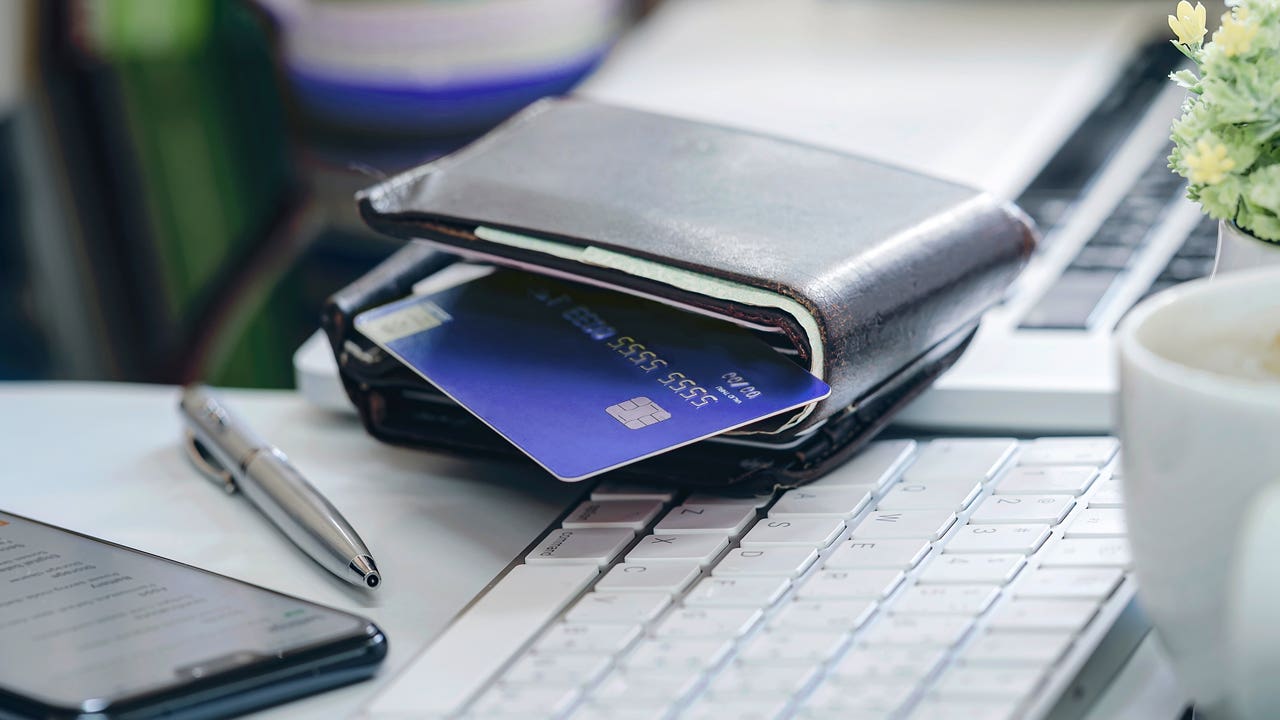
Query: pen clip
(207, 465)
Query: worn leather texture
(889, 262)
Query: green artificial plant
(1227, 142)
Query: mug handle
(1253, 610)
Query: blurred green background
(176, 176)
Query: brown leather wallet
(874, 275)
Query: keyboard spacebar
(449, 672)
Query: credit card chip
(638, 412)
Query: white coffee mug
(1201, 459)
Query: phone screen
(83, 621)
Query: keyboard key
(836, 616)
(580, 547)
(556, 670)
(755, 708)
(449, 672)
(809, 532)
(1047, 480)
(962, 708)
(715, 622)
(791, 647)
(615, 490)
(646, 709)
(636, 708)
(836, 502)
(617, 608)
(643, 690)
(1024, 539)
(904, 662)
(1088, 552)
(975, 459)
(931, 630)
(667, 577)
(719, 519)
(1065, 615)
(983, 681)
(632, 514)
(738, 682)
(1116, 468)
(755, 501)
(700, 549)
(782, 561)
(755, 592)
(876, 464)
(1094, 451)
(903, 524)
(892, 554)
(1182, 269)
(1070, 301)
(1108, 494)
(951, 495)
(1098, 523)
(1068, 583)
(993, 569)
(1047, 207)
(526, 700)
(677, 655)
(1047, 509)
(1103, 257)
(566, 637)
(858, 699)
(945, 600)
(850, 584)
(1040, 649)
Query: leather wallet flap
(863, 265)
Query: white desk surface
(104, 459)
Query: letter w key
(923, 524)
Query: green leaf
(1221, 200)
(1187, 80)
(1264, 189)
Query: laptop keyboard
(1194, 259)
(966, 578)
(1080, 292)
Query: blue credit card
(584, 380)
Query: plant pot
(1239, 250)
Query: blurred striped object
(440, 67)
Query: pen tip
(364, 567)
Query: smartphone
(91, 629)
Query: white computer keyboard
(953, 578)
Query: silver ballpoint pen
(225, 450)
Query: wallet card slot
(762, 319)
(743, 320)
(776, 337)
